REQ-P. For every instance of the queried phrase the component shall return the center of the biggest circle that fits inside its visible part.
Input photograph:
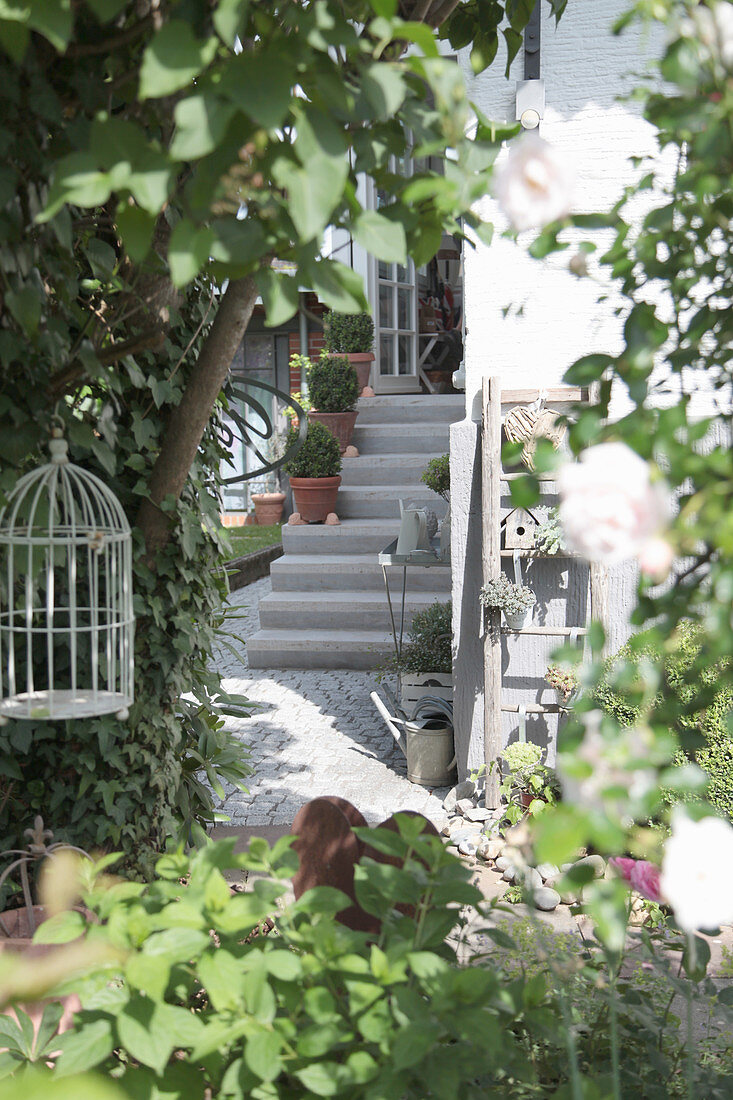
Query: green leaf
(237, 243)
(588, 369)
(279, 295)
(25, 306)
(14, 39)
(53, 19)
(201, 122)
(338, 286)
(320, 1078)
(136, 229)
(77, 180)
(261, 85)
(386, 8)
(84, 1047)
(106, 9)
(229, 19)
(313, 192)
(61, 928)
(172, 59)
(262, 1054)
(188, 251)
(380, 236)
(385, 88)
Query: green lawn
(246, 539)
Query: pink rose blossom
(655, 558)
(642, 876)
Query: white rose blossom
(611, 764)
(534, 185)
(609, 506)
(697, 879)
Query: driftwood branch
(189, 419)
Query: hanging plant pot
(340, 425)
(362, 361)
(516, 620)
(315, 497)
(268, 508)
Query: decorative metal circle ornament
(66, 619)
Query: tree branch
(189, 419)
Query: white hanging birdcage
(66, 620)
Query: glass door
(396, 328)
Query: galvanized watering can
(426, 740)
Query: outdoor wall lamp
(530, 103)
(531, 90)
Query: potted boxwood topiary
(334, 390)
(352, 335)
(314, 472)
(425, 666)
(436, 476)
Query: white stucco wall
(586, 69)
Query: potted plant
(314, 472)
(564, 681)
(425, 665)
(515, 600)
(436, 476)
(352, 335)
(527, 784)
(334, 390)
(268, 503)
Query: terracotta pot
(268, 508)
(339, 424)
(362, 360)
(315, 497)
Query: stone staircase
(328, 607)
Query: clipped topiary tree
(710, 727)
(436, 475)
(332, 385)
(348, 333)
(318, 457)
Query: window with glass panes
(396, 318)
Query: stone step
(385, 469)
(347, 648)
(383, 501)
(411, 409)
(329, 610)
(352, 536)
(415, 439)
(353, 573)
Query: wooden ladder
(493, 399)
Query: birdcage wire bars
(66, 618)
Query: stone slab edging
(250, 567)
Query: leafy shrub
(504, 594)
(348, 332)
(521, 758)
(548, 537)
(320, 455)
(436, 475)
(715, 755)
(428, 646)
(332, 384)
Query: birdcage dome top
(61, 502)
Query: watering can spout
(398, 734)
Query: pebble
(598, 864)
(463, 805)
(502, 863)
(548, 870)
(491, 847)
(567, 897)
(457, 837)
(546, 899)
(510, 873)
(478, 813)
(530, 878)
(467, 848)
(461, 790)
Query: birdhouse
(520, 527)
